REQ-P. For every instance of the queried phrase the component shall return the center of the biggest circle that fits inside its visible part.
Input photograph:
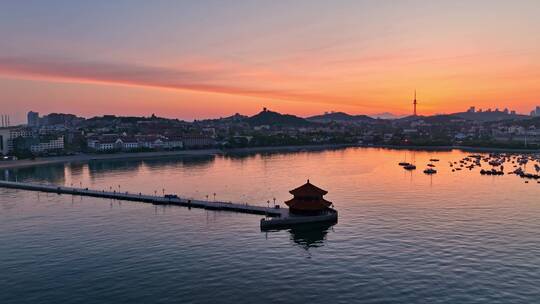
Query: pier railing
(154, 199)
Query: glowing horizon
(195, 60)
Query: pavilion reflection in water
(308, 235)
(311, 235)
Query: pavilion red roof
(308, 205)
(308, 190)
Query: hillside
(273, 118)
(340, 117)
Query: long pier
(274, 217)
(157, 200)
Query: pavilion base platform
(288, 219)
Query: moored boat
(410, 167)
(430, 171)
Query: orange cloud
(203, 79)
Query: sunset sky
(202, 59)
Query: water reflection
(310, 235)
(133, 166)
(254, 154)
(307, 235)
(465, 238)
(56, 173)
(48, 174)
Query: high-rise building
(33, 119)
(536, 112)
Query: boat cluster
(497, 162)
(429, 170)
(519, 172)
(491, 172)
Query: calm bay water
(402, 237)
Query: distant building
(536, 112)
(110, 143)
(105, 144)
(32, 119)
(48, 145)
(472, 110)
(174, 143)
(8, 135)
(198, 142)
(410, 131)
(460, 136)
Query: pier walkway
(157, 200)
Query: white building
(7, 135)
(110, 144)
(174, 143)
(51, 145)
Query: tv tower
(415, 103)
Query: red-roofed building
(308, 199)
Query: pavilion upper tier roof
(308, 190)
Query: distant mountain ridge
(271, 118)
(340, 117)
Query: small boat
(434, 160)
(403, 164)
(409, 167)
(431, 165)
(430, 171)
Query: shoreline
(158, 154)
(459, 148)
(92, 157)
(213, 152)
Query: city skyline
(199, 60)
(31, 115)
